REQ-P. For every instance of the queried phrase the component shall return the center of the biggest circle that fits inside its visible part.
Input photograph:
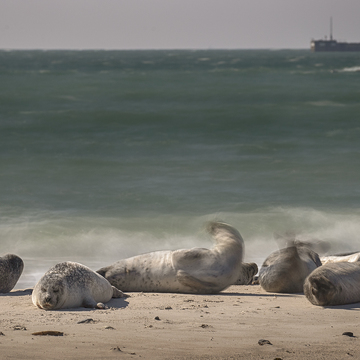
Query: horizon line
(150, 49)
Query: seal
(196, 271)
(69, 285)
(351, 257)
(334, 284)
(285, 270)
(11, 268)
(247, 274)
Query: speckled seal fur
(247, 274)
(334, 284)
(285, 270)
(69, 285)
(11, 267)
(197, 270)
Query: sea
(109, 154)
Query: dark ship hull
(333, 45)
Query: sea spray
(100, 241)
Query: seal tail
(223, 232)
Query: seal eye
(56, 290)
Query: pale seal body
(334, 284)
(353, 257)
(70, 285)
(11, 267)
(285, 270)
(202, 271)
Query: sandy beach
(228, 325)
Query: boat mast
(331, 29)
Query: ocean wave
(351, 69)
(325, 103)
(45, 239)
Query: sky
(175, 24)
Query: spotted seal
(285, 270)
(247, 274)
(69, 285)
(11, 267)
(334, 284)
(197, 270)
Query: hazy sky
(174, 24)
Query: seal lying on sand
(334, 284)
(351, 257)
(69, 285)
(11, 267)
(198, 271)
(285, 270)
(247, 274)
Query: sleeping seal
(197, 270)
(247, 273)
(285, 270)
(11, 267)
(70, 285)
(334, 284)
(351, 257)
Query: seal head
(334, 284)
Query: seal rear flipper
(118, 293)
(196, 285)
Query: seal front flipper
(89, 302)
(195, 284)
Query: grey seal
(334, 284)
(197, 270)
(11, 267)
(247, 274)
(69, 285)
(285, 270)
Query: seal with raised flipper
(11, 268)
(197, 270)
(285, 270)
(334, 284)
(70, 285)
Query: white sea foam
(97, 242)
(351, 69)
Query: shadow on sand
(119, 303)
(18, 292)
(355, 306)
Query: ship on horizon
(333, 45)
